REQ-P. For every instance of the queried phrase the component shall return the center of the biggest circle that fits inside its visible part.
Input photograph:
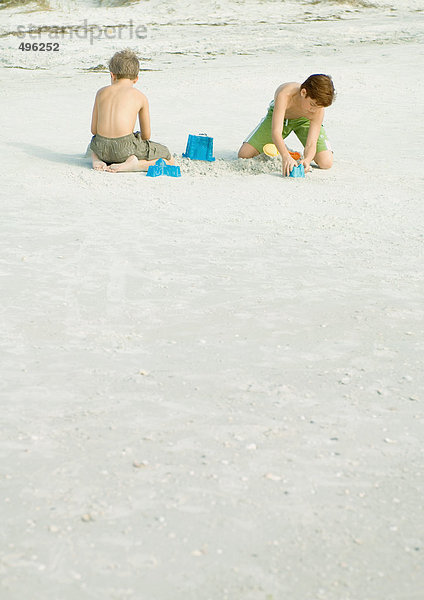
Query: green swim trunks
(117, 150)
(262, 135)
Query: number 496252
(41, 47)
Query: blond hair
(124, 64)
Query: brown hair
(124, 64)
(320, 88)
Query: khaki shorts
(117, 150)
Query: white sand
(212, 387)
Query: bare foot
(98, 165)
(131, 164)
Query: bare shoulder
(318, 116)
(140, 97)
(101, 90)
(286, 89)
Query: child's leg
(134, 164)
(98, 164)
(324, 159)
(324, 155)
(256, 140)
(247, 151)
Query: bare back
(116, 108)
(290, 92)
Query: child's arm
(311, 140)
(144, 119)
(280, 108)
(94, 117)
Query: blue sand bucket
(199, 147)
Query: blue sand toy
(161, 168)
(199, 147)
(297, 171)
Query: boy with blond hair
(114, 145)
(297, 107)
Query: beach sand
(212, 387)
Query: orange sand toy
(295, 155)
(271, 150)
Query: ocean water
(54, 4)
(87, 32)
(174, 6)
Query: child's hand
(306, 165)
(288, 164)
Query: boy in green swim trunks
(297, 107)
(114, 146)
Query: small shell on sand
(141, 464)
(87, 518)
(272, 477)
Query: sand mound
(259, 165)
